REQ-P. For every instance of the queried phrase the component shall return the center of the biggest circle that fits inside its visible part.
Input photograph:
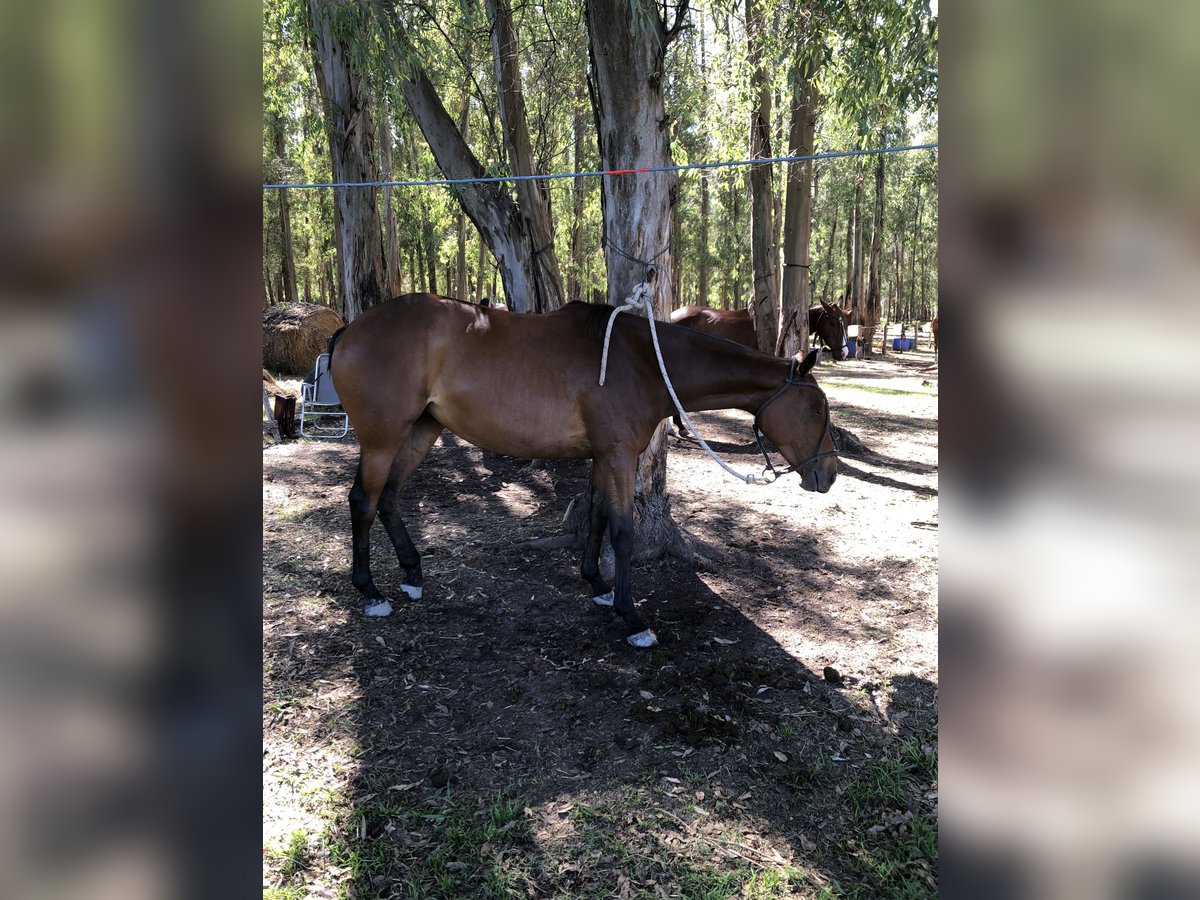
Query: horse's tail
(333, 340)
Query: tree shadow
(844, 468)
(504, 681)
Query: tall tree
(351, 152)
(765, 289)
(533, 198)
(285, 223)
(871, 303)
(797, 218)
(628, 43)
(391, 256)
(497, 217)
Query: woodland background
(516, 93)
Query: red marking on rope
(626, 171)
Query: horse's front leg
(602, 593)
(620, 486)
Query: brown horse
(933, 327)
(731, 324)
(526, 386)
(826, 321)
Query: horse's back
(733, 325)
(511, 383)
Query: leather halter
(824, 312)
(758, 435)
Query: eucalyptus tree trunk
(480, 271)
(352, 154)
(871, 305)
(501, 222)
(702, 285)
(833, 228)
(851, 225)
(533, 197)
(391, 256)
(579, 127)
(288, 264)
(856, 268)
(765, 287)
(627, 78)
(797, 217)
(461, 261)
(703, 261)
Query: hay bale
(294, 334)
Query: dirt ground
(499, 738)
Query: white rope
(641, 297)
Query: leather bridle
(758, 435)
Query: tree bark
(627, 60)
(461, 287)
(288, 264)
(856, 268)
(765, 288)
(579, 126)
(494, 213)
(833, 228)
(480, 272)
(395, 275)
(533, 197)
(702, 276)
(872, 302)
(797, 219)
(351, 152)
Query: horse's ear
(807, 363)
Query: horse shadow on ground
(505, 689)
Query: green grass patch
(287, 892)
(890, 855)
(290, 863)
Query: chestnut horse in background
(827, 321)
(526, 386)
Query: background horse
(933, 328)
(406, 369)
(826, 321)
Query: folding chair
(319, 402)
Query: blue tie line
(681, 168)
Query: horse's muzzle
(819, 478)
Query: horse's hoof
(604, 599)
(413, 593)
(643, 639)
(378, 608)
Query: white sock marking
(604, 599)
(378, 608)
(643, 639)
(414, 593)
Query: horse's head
(831, 327)
(796, 419)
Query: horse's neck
(709, 373)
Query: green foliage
(876, 73)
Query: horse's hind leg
(602, 593)
(424, 433)
(373, 466)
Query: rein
(641, 296)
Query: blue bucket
(852, 346)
